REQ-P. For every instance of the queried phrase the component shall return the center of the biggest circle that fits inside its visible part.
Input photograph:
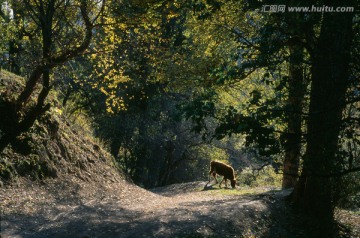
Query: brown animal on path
(225, 170)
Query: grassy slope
(53, 147)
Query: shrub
(264, 177)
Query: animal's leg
(221, 182)
(214, 175)
(210, 173)
(225, 182)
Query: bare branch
(261, 167)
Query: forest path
(180, 210)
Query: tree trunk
(168, 164)
(43, 70)
(327, 100)
(295, 103)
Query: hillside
(55, 165)
(54, 147)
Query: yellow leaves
(115, 104)
(211, 46)
(109, 110)
(172, 15)
(111, 37)
(102, 89)
(177, 5)
(58, 111)
(113, 85)
(122, 26)
(108, 20)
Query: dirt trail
(182, 210)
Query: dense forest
(168, 86)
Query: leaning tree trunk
(327, 100)
(49, 61)
(295, 103)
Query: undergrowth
(265, 177)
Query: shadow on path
(261, 215)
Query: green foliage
(138, 84)
(348, 191)
(199, 109)
(6, 170)
(266, 177)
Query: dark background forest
(168, 86)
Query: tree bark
(330, 68)
(295, 105)
(168, 163)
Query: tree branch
(53, 61)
